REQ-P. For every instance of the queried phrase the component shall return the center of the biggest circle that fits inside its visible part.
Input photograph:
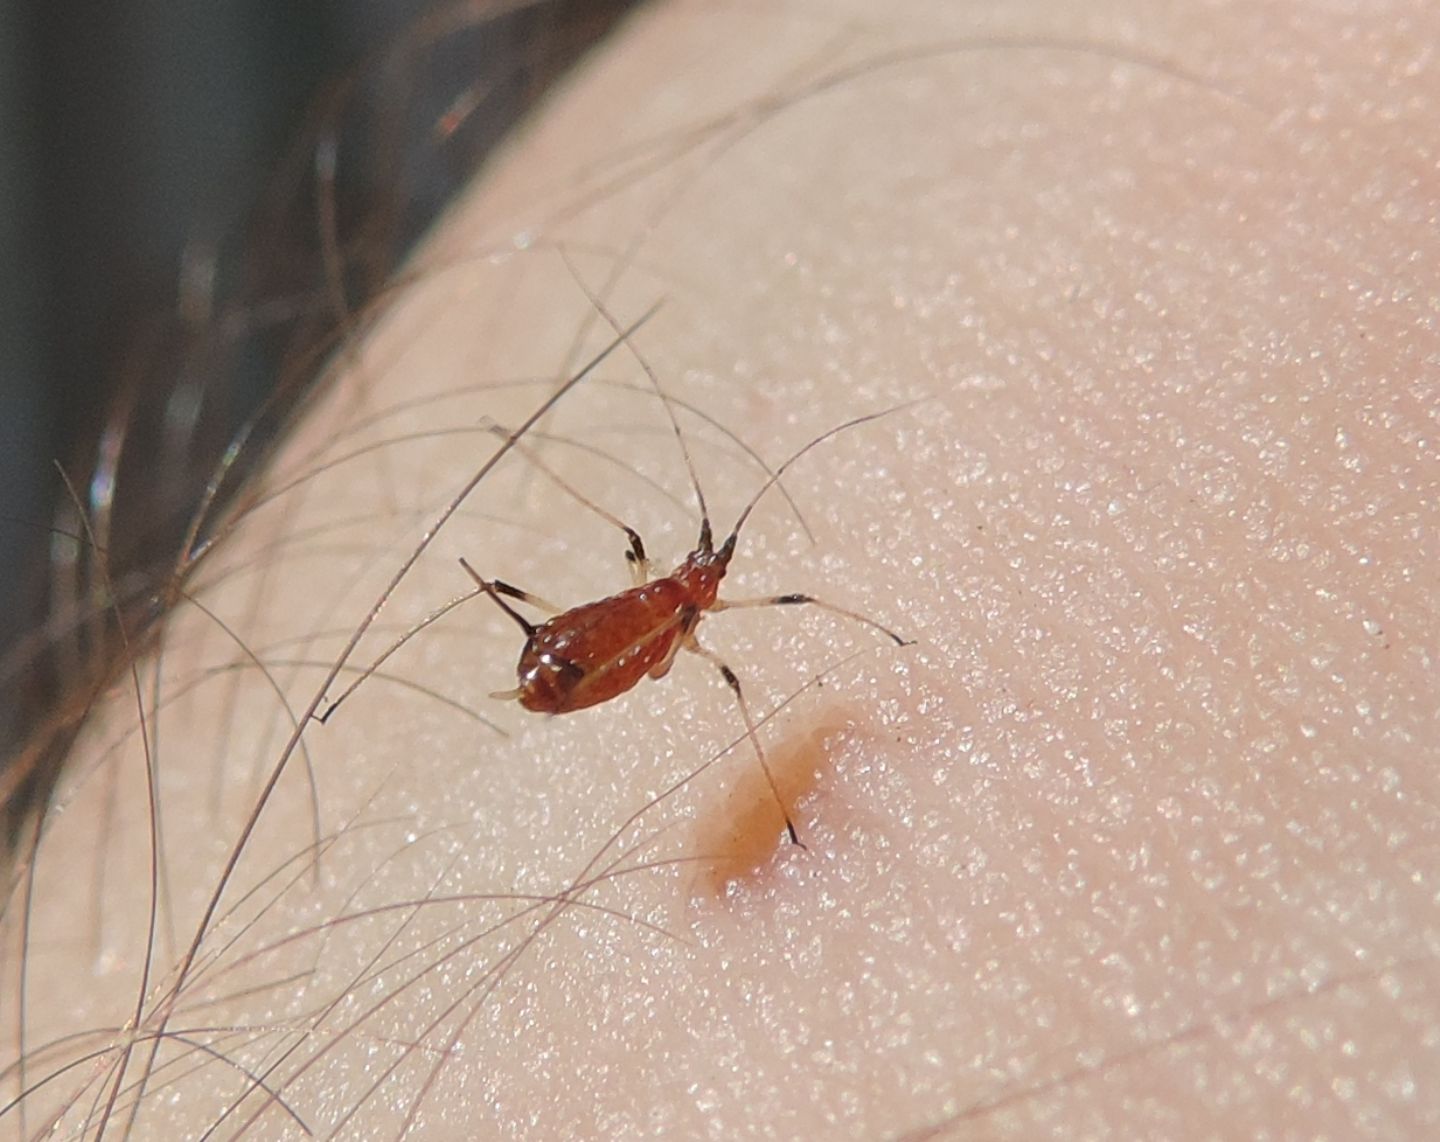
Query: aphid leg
(686, 622)
(638, 560)
(504, 588)
(635, 554)
(497, 588)
(692, 644)
(808, 600)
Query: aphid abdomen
(595, 652)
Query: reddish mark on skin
(738, 837)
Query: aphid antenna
(706, 541)
(727, 549)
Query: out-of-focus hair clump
(199, 395)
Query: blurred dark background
(163, 242)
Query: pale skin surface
(1137, 839)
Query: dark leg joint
(787, 600)
(636, 553)
(505, 588)
(498, 587)
(495, 590)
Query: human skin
(1136, 839)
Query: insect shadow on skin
(589, 654)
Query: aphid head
(701, 574)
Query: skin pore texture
(1138, 838)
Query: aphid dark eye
(567, 670)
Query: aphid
(589, 654)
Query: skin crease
(1136, 840)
